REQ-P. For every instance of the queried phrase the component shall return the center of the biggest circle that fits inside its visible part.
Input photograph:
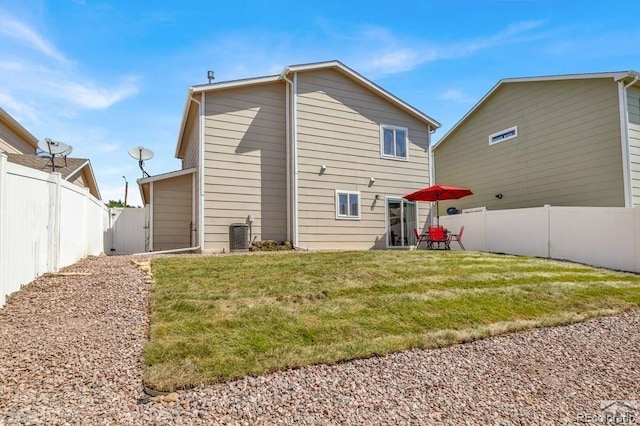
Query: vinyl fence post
(54, 222)
(486, 234)
(85, 223)
(548, 207)
(3, 207)
(636, 238)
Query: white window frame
(513, 130)
(348, 216)
(406, 141)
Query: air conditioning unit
(238, 237)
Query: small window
(393, 142)
(347, 205)
(510, 133)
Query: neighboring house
(565, 140)
(74, 170)
(317, 155)
(21, 148)
(15, 139)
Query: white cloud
(88, 95)
(43, 75)
(13, 66)
(19, 110)
(15, 29)
(455, 95)
(109, 147)
(387, 54)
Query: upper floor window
(393, 142)
(347, 204)
(503, 135)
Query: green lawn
(224, 317)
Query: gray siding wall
(192, 152)
(339, 126)
(245, 163)
(12, 143)
(172, 213)
(191, 159)
(633, 105)
(567, 153)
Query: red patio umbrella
(437, 193)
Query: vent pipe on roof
(211, 76)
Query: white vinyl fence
(46, 223)
(600, 236)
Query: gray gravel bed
(71, 347)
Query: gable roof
(335, 65)
(633, 76)
(143, 184)
(17, 127)
(69, 169)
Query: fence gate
(128, 230)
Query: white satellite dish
(141, 154)
(52, 147)
(67, 151)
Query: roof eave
(369, 84)
(18, 128)
(168, 175)
(616, 76)
(183, 124)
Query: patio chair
(437, 236)
(420, 238)
(457, 238)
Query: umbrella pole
(437, 213)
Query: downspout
(288, 145)
(292, 136)
(200, 230)
(294, 159)
(624, 135)
(178, 250)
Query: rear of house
(317, 155)
(560, 140)
(350, 184)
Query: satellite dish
(52, 147)
(141, 154)
(67, 151)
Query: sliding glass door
(402, 219)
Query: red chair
(420, 238)
(437, 235)
(457, 238)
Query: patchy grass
(219, 318)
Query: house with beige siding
(14, 138)
(563, 140)
(317, 155)
(21, 147)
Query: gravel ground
(70, 351)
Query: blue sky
(104, 76)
